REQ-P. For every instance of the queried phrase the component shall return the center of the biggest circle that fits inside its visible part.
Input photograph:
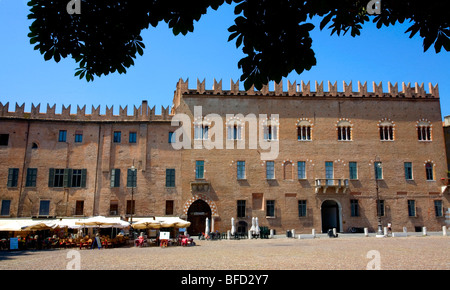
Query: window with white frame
(344, 130)
(423, 130)
(270, 170)
(201, 131)
(386, 130)
(234, 129)
(270, 128)
(429, 171)
(304, 130)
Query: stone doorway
(331, 215)
(197, 214)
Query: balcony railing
(325, 183)
(200, 186)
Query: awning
(160, 222)
(28, 224)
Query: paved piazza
(356, 253)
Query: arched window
(344, 130)
(287, 170)
(429, 171)
(201, 129)
(270, 128)
(234, 129)
(304, 130)
(386, 129)
(423, 130)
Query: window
(302, 208)
(378, 170)
(67, 177)
(354, 207)
(76, 178)
(304, 131)
(270, 170)
(380, 207)
(169, 207)
(31, 177)
(79, 207)
(199, 169)
(429, 171)
(270, 131)
(234, 132)
(423, 130)
(56, 177)
(301, 170)
(411, 208)
(131, 206)
(132, 137)
(44, 207)
(270, 208)
(241, 208)
(78, 136)
(353, 170)
(4, 138)
(344, 131)
(386, 129)
(115, 178)
(172, 137)
(201, 131)
(408, 171)
(62, 136)
(13, 177)
(170, 177)
(241, 170)
(329, 172)
(117, 137)
(438, 208)
(6, 205)
(131, 177)
(113, 207)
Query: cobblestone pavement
(409, 253)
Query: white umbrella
(207, 226)
(99, 221)
(176, 222)
(252, 229)
(256, 226)
(233, 229)
(39, 225)
(13, 226)
(148, 223)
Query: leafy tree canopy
(273, 34)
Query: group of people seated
(180, 240)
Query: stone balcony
(336, 184)
(200, 186)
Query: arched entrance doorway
(331, 215)
(197, 214)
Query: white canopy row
(27, 224)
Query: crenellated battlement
(304, 90)
(142, 113)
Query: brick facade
(326, 117)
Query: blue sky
(386, 54)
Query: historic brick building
(296, 159)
